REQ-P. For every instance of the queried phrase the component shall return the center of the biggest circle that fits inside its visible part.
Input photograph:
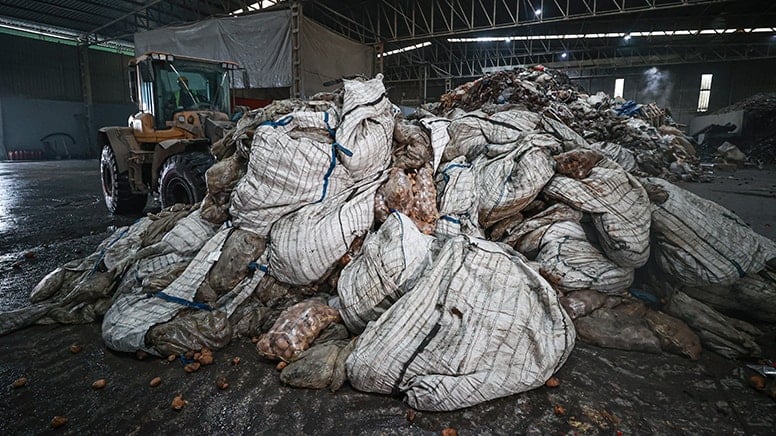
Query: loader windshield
(190, 85)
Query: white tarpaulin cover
(327, 56)
(261, 43)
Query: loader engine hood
(201, 124)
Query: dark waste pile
(758, 140)
(448, 259)
(653, 145)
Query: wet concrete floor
(54, 210)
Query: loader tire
(182, 178)
(115, 187)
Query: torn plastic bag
(190, 329)
(412, 194)
(411, 146)
(320, 367)
(240, 249)
(480, 324)
(584, 302)
(675, 336)
(615, 328)
(726, 336)
(296, 328)
(221, 179)
(390, 263)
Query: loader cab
(164, 85)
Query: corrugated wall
(40, 94)
(44, 70)
(38, 69)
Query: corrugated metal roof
(116, 18)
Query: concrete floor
(55, 211)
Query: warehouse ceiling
(446, 39)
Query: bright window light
(705, 93)
(619, 85)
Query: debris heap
(451, 259)
(658, 148)
(759, 139)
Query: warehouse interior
(640, 130)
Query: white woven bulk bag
(366, 128)
(439, 136)
(698, 242)
(469, 134)
(480, 324)
(293, 162)
(619, 154)
(390, 262)
(133, 313)
(571, 263)
(509, 181)
(303, 245)
(556, 240)
(566, 134)
(458, 199)
(618, 204)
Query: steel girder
(468, 61)
(396, 21)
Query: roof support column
(296, 65)
(86, 94)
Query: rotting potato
(178, 402)
(58, 421)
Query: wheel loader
(183, 104)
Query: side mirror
(146, 71)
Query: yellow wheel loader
(183, 104)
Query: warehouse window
(619, 85)
(703, 98)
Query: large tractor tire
(182, 179)
(115, 187)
